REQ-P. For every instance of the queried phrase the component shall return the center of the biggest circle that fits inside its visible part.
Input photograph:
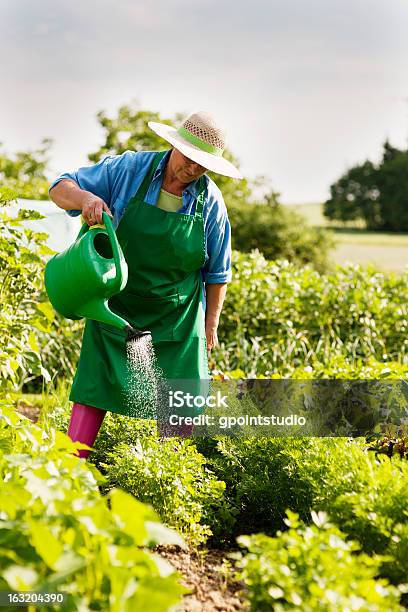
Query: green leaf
(160, 534)
(12, 497)
(32, 341)
(45, 543)
(45, 250)
(45, 374)
(20, 578)
(155, 594)
(47, 310)
(131, 513)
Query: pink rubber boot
(84, 425)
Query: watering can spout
(99, 311)
(135, 334)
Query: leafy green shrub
(313, 568)
(171, 475)
(262, 479)
(168, 473)
(23, 312)
(360, 369)
(375, 513)
(58, 534)
(278, 233)
(365, 496)
(278, 317)
(36, 344)
(118, 429)
(60, 348)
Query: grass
(387, 251)
(312, 212)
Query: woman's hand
(92, 208)
(211, 335)
(214, 294)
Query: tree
(377, 194)
(393, 186)
(128, 131)
(355, 196)
(25, 172)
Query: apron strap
(200, 198)
(143, 189)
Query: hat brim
(207, 160)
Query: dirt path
(212, 589)
(31, 412)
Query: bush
(365, 496)
(313, 568)
(278, 317)
(262, 479)
(119, 429)
(278, 233)
(168, 473)
(23, 312)
(36, 344)
(172, 476)
(375, 512)
(60, 348)
(58, 534)
(24, 172)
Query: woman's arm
(215, 295)
(69, 196)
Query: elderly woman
(173, 228)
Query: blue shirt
(117, 178)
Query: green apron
(165, 252)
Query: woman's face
(183, 168)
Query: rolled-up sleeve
(91, 178)
(217, 268)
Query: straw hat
(199, 139)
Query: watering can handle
(113, 240)
(117, 255)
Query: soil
(31, 412)
(212, 589)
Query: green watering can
(80, 280)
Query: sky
(305, 88)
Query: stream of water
(144, 378)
